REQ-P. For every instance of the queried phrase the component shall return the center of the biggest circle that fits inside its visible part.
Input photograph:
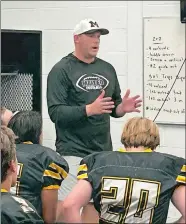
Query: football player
(134, 185)
(40, 169)
(13, 209)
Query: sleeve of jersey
(57, 99)
(181, 178)
(85, 168)
(55, 173)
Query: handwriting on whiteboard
(161, 59)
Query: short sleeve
(82, 171)
(56, 171)
(85, 167)
(181, 178)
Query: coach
(82, 93)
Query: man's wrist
(89, 110)
(120, 111)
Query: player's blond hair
(139, 131)
(8, 150)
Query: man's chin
(93, 54)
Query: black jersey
(38, 168)
(132, 187)
(16, 210)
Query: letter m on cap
(93, 24)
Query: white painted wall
(122, 47)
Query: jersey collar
(3, 190)
(28, 142)
(146, 150)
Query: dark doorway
(183, 11)
(21, 74)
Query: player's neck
(6, 185)
(134, 149)
(83, 58)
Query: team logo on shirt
(92, 82)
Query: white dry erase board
(163, 58)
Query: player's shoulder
(49, 156)
(27, 152)
(176, 167)
(31, 151)
(8, 199)
(163, 161)
(9, 207)
(95, 155)
(18, 210)
(171, 158)
(42, 155)
(97, 159)
(170, 163)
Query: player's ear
(13, 166)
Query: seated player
(14, 210)
(134, 185)
(5, 115)
(41, 169)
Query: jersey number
(125, 200)
(15, 189)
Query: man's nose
(96, 39)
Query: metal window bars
(17, 90)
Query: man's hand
(100, 106)
(129, 104)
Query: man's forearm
(119, 110)
(66, 114)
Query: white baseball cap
(89, 26)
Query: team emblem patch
(92, 82)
